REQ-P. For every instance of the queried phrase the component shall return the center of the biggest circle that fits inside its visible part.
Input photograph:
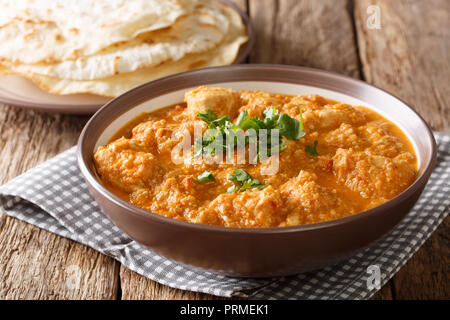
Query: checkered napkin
(54, 197)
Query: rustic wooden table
(409, 55)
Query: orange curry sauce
(362, 161)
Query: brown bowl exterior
(260, 252)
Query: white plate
(18, 91)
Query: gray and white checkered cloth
(54, 197)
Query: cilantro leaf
(245, 122)
(239, 176)
(207, 116)
(312, 150)
(245, 180)
(289, 127)
(270, 117)
(233, 189)
(301, 119)
(205, 177)
(242, 116)
(223, 128)
(257, 184)
(270, 113)
(222, 122)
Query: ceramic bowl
(259, 252)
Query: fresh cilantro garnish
(289, 127)
(222, 122)
(205, 177)
(240, 176)
(312, 150)
(215, 139)
(210, 117)
(270, 113)
(245, 122)
(301, 120)
(233, 189)
(207, 116)
(244, 181)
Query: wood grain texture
(385, 293)
(310, 33)
(36, 264)
(426, 274)
(410, 57)
(136, 287)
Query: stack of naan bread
(106, 47)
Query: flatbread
(213, 39)
(34, 31)
(197, 32)
(223, 54)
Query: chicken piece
(222, 101)
(162, 137)
(251, 208)
(148, 132)
(171, 198)
(255, 102)
(332, 116)
(343, 137)
(372, 176)
(126, 165)
(306, 103)
(381, 141)
(309, 202)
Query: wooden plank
(426, 275)
(385, 293)
(310, 33)
(135, 287)
(410, 57)
(36, 264)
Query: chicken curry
(333, 159)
